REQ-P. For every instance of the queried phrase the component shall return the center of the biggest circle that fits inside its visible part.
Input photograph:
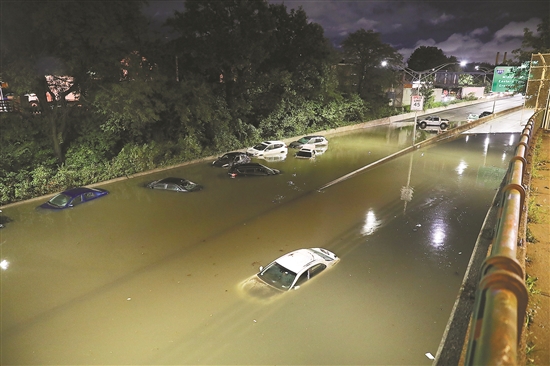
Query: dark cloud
(468, 30)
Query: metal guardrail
(501, 298)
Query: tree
(70, 38)
(225, 41)
(427, 57)
(251, 53)
(531, 44)
(366, 52)
(534, 43)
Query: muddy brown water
(152, 277)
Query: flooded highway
(143, 276)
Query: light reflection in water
(461, 167)
(371, 223)
(486, 145)
(438, 233)
(512, 139)
(4, 264)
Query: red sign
(417, 103)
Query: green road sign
(503, 79)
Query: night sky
(472, 31)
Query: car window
(278, 276)
(159, 186)
(316, 269)
(172, 187)
(60, 200)
(303, 278)
(260, 147)
(77, 200)
(89, 195)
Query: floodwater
(153, 277)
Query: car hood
(50, 206)
(257, 289)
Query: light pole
(485, 71)
(417, 78)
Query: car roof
(73, 192)
(298, 260)
(248, 164)
(272, 142)
(313, 136)
(234, 153)
(172, 180)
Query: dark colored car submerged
(251, 169)
(73, 197)
(3, 220)
(175, 184)
(229, 159)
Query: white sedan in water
(295, 268)
(267, 149)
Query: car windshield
(278, 276)
(189, 185)
(261, 146)
(60, 200)
(305, 154)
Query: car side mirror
(261, 268)
(296, 287)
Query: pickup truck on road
(433, 121)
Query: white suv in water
(267, 148)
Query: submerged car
(472, 117)
(251, 169)
(273, 157)
(306, 152)
(3, 220)
(295, 268)
(309, 140)
(73, 197)
(231, 158)
(485, 114)
(175, 184)
(267, 148)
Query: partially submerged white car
(306, 152)
(295, 268)
(267, 149)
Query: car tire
(443, 126)
(423, 125)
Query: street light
(420, 75)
